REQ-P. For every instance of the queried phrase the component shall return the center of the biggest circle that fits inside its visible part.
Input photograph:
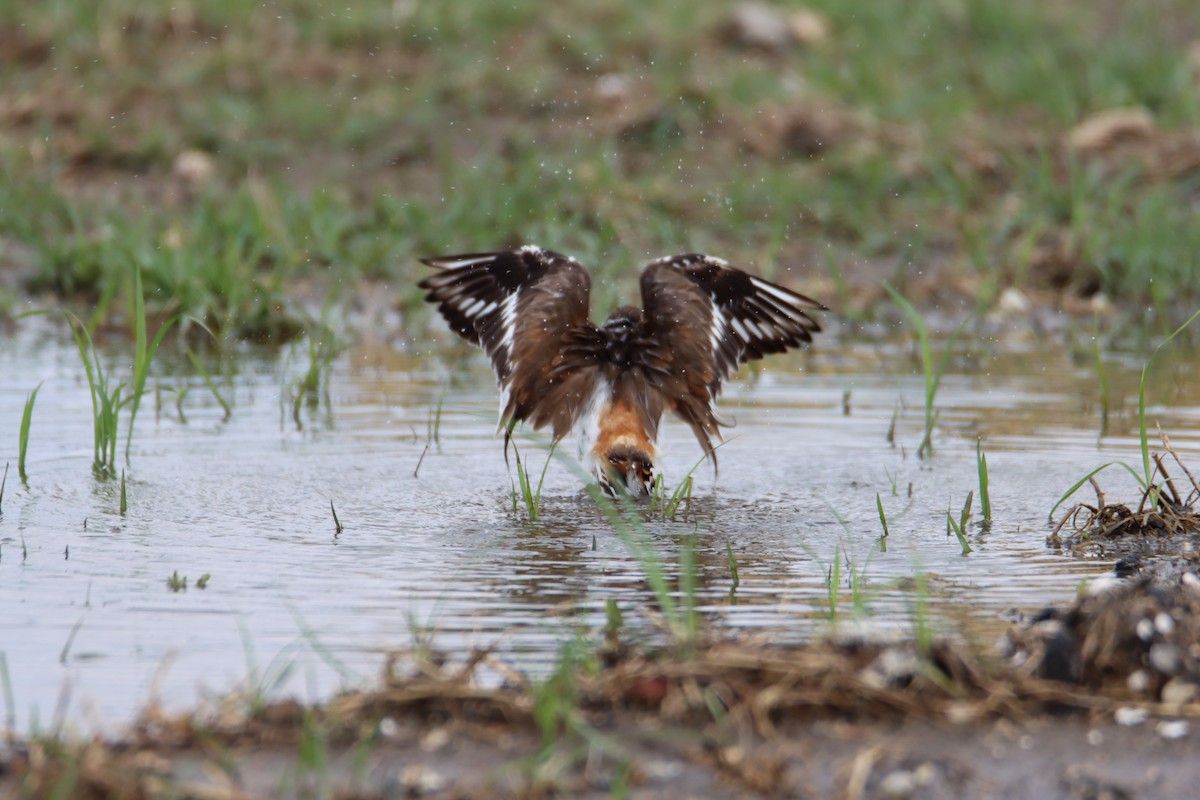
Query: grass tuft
(177, 582)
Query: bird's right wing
(708, 318)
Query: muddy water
(90, 630)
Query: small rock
(1130, 716)
(1172, 729)
(808, 27)
(760, 26)
(1165, 658)
(1144, 629)
(1100, 304)
(1106, 129)
(614, 87)
(1138, 681)
(893, 667)
(926, 774)
(1128, 566)
(194, 167)
(420, 780)
(435, 739)
(1013, 301)
(1164, 623)
(899, 785)
(1178, 691)
(1095, 737)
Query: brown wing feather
(707, 319)
(528, 310)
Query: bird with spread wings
(700, 319)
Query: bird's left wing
(707, 318)
(528, 309)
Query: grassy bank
(248, 159)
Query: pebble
(759, 25)
(1172, 729)
(899, 785)
(1138, 681)
(1178, 691)
(1165, 658)
(1129, 716)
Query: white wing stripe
(508, 320)
(455, 263)
(717, 331)
(781, 294)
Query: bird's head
(626, 470)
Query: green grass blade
(23, 438)
(1075, 486)
(337, 523)
(965, 515)
(208, 381)
(523, 481)
(985, 498)
(545, 468)
(918, 323)
(1101, 378)
(1142, 437)
(83, 342)
(732, 562)
(688, 580)
(958, 533)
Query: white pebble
(1129, 716)
(1172, 729)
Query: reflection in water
(246, 500)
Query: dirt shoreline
(1079, 702)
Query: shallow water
(91, 632)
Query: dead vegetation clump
(1166, 515)
(1137, 640)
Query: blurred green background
(263, 163)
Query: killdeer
(700, 319)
